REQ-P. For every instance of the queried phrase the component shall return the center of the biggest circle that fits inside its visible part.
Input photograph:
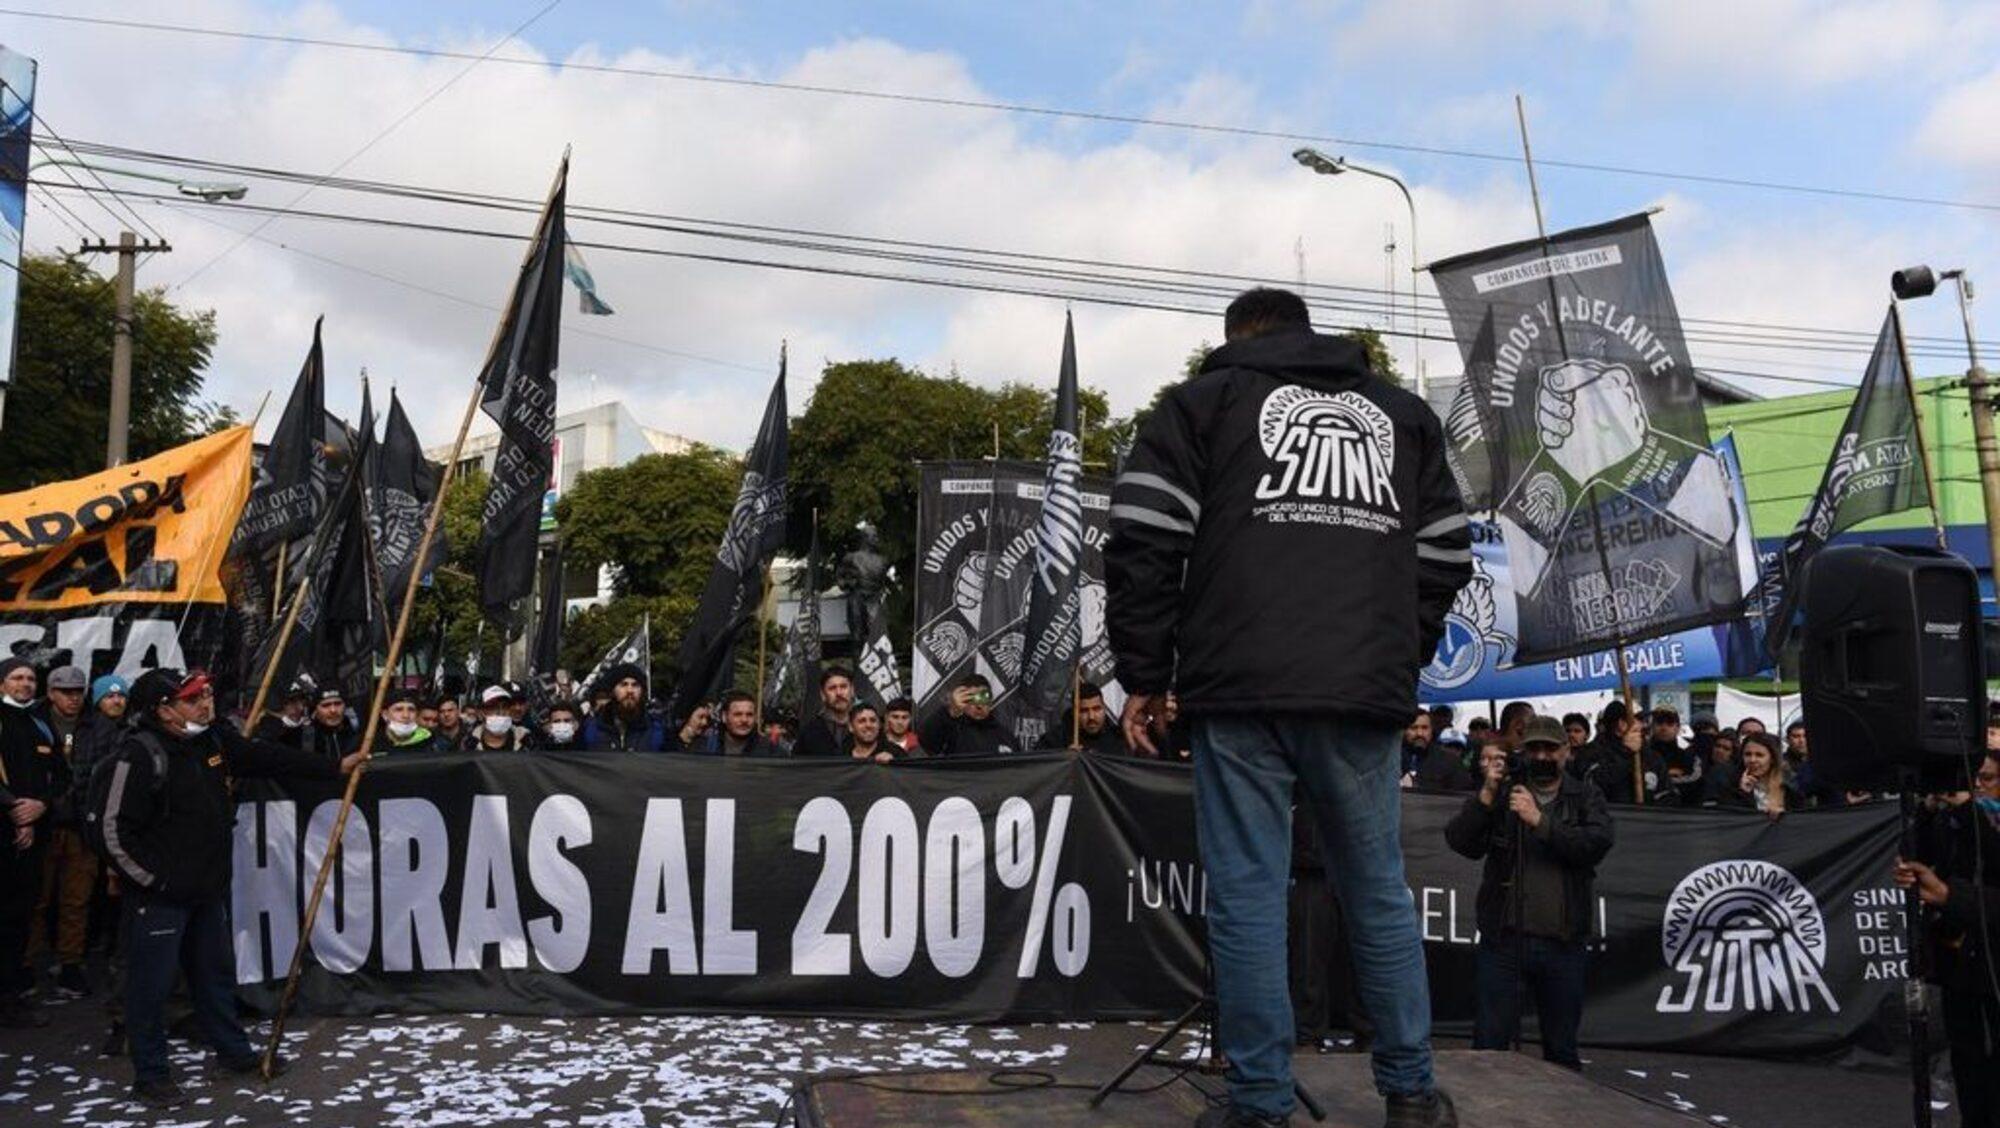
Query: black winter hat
(620, 672)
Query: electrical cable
(384, 132)
(50, 131)
(1393, 301)
(1026, 109)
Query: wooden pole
(763, 639)
(1076, 706)
(368, 730)
(431, 522)
(278, 580)
(1590, 497)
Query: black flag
(797, 671)
(736, 583)
(636, 648)
(1050, 643)
(542, 655)
(1617, 516)
(401, 487)
(1876, 468)
(287, 491)
(335, 574)
(519, 382)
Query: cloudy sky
(1897, 97)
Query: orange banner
(147, 532)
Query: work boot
(1236, 1116)
(71, 982)
(114, 1041)
(1431, 1110)
(159, 1094)
(253, 1065)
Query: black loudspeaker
(1893, 665)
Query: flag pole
(1076, 705)
(278, 578)
(1917, 420)
(370, 728)
(1590, 491)
(763, 638)
(368, 731)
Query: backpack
(99, 788)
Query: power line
(50, 131)
(426, 100)
(1022, 108)
(1432, 308)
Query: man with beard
(737, 735)
(1621, 741)
(1092, 725)
(1541, 843)
(167, 829)
(37, 776)
(625, 724)
(826, 734)
(1416, 741)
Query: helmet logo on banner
(1741, 936)
(1471, 629)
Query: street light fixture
(212, 191)
(1324, 165)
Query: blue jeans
(1244, 771)
(1513, 967)
(162, 937)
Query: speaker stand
(1916, 1000)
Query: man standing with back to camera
(1285, 541)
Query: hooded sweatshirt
(1285, 536)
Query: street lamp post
(1919, 282)
(1333, 166)
(212, 191)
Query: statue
(864, 575)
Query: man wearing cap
(167, 829)
(35, 773)
(625, 724)
(288, 725)
(69, 868)
(330, 736)
(497, 731)
(401, 735)
(1541, 841)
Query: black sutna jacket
(1285, 536)
(173, 838)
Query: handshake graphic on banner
(1593, 428)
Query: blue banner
(17, 111)
(1475, 657)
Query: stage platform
(1493, 1090)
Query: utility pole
(1980, 392)
(128, 250)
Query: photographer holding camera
(1542, 833)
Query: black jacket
(759, 748)
(32, 765)
(1611, 771)
(272, 729)
(1575, 832)
(331, 745)
(173, 838)
(945, 735)
(1285, 536)
(1445, 768)
(1109, 741)
(818, 737)
(96, 740)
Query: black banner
(518, 390)
(401, 485)
(1050, 639)
(289, 485)
(1876, 467)
(1617, 515)
(1028, 888)
(976, 535)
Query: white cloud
(1963, 126)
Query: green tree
(59, 403)
(453, 593)
(657, 520)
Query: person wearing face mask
(401, 734)
(497, 731)
(1541, 840)
(35, 773)
(287, 726)
(167, 828)
(560, 731)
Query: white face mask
(193, 728)
(562, 732)
(499, 724)
(293, 722)
(402, 730)
(10, 699)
